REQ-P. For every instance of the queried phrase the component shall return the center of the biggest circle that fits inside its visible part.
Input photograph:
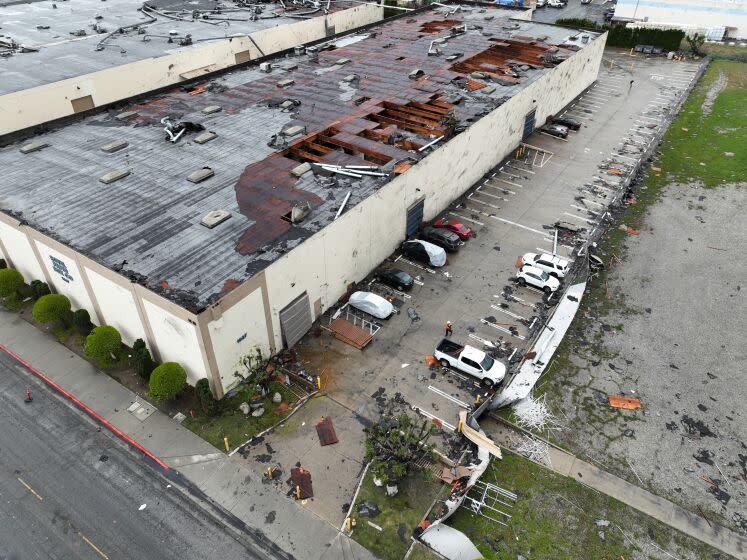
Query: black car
(416, 249)
(443, 238)
(609, 14)
(396, 278)
(567, 122)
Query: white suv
(552, 264)
(538, 278)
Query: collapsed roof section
(278, 149)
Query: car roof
(555, 259)
(533, 269)
(367, 296)
(473, 354)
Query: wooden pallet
(351, 334)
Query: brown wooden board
(326, 431)
(301, 481)
(351, 334)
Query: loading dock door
(529, 123)
(414, 218)
(295, 320)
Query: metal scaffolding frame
(483, 498)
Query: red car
(459, 228)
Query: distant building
(717, 19)
(210, 219)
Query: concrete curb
(85, 408)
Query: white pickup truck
(470, 360)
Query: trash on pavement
(629, 230)
(368, 509)
(628, 403)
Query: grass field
(696, 146)
(557, 518)
(399, 516)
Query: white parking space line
(483, 341)
(517, 185)
(502, 189)
(509, 174)
(555, 137)
(430, 416)
(472, 199)
(447, 396)
(593, 202)
(586, 109)
(416, 265)
(483, 193)
(582, 209)
(579, 217)
(509, 222)
(509, 313)
(591, 102)
(502, 329)
(401, 294)
(521, 169)
(466, 219)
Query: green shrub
(82, 321)
(39, 289)
(167, 381)
(205, 396)
(25, 292)
(10, 281)
(102, 343)
(51, 308)
(625, 37)
(141, 360)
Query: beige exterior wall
(19, 251)
(117, 307)
(48, 102)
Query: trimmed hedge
(82, 321)
(625, 37)
(51, 308)
(167, 381)
(102, 343)
(10, 281)
(141, 360)
(205, 396)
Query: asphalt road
(69, 490)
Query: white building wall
(20, 251)
(349, 248)
(66, 278)
(117, 306)
(48, 102)
(690, 15)
(177, 340)
(239, 332)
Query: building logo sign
(61, 268)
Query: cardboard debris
(615, 171)
(326, 431)
(629, 230)
(301, 481)
(431, 361)
(460, 472)
(628, 403)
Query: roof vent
(265, 67)
(33, 147)
(115, 175)
(290, 66)
(127, 115)
(299, 211)
(293, 131)
(212, 109)
(205, 137)
(200, 175)
(214, 218)
(350, 78)
(285, 83)
(342, 61)
(415, 74)
(114, 146)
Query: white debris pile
(533, 414)
(535, 450)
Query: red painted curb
(92, 413)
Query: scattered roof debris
(629, 403)
(301, 482)
(326, 431)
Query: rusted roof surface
(372, 99)
(326, 431)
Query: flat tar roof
(356, 101)
(64, 39)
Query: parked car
(396, 278)
(470, 360)
(586, 1)
(459, 228)
(567, 122)
(424, 252)
(609, 14)
(541, 3)
(557, 130)
(443, 238)
(372, 304)
(556, 3)
(552, 264)
(538, 278)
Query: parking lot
(512, 211)
(574, 9)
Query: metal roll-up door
(529, 123)
(414, 218)
(295, 320)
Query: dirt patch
(716, 87)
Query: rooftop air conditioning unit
(214, 218)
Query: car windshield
(544, 276)
(487, 363)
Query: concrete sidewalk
(659, 508)
(268, 515)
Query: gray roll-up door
(414, 218)
(529, 123)
(295, 320)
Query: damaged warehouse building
(216, 221)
